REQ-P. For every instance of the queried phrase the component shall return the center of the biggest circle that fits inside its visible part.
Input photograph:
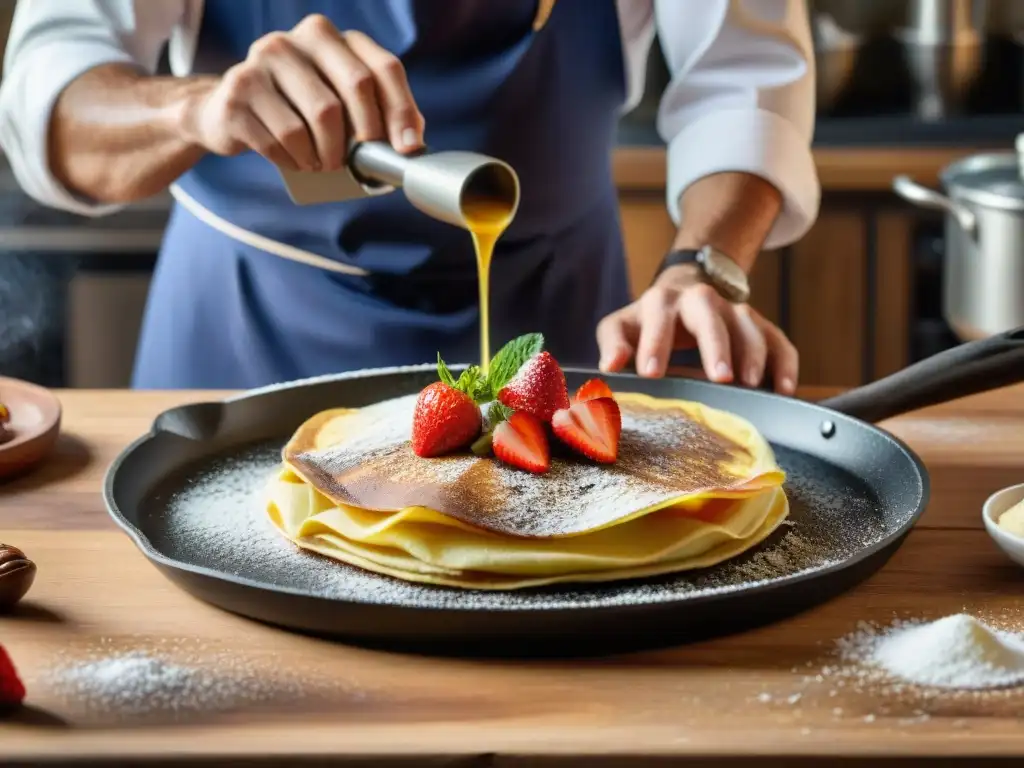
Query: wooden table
(715, 703)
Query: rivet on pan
(828, 429)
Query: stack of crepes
(692, 487)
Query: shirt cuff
(750, 141)
(25, 109)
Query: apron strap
(266, 244)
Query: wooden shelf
(839, 168)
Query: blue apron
(222, 314)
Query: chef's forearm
(734, 212)
(117, 135)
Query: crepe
(693, 486)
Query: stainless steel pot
(983, 281)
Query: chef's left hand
(680, 311)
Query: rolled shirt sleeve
(741, 99)
(53, 42)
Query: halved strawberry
(445, 420)
(538, 388)
(520, 441)
(592, 390)
(12, 690)
(591, 427)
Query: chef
(263, 85)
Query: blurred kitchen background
(904, 86)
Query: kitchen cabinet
(843, 293)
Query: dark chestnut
(17, 573)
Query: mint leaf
(497, 413)
(510, 358)
(481, 391)
(443, 373)
(467, 380)
(472, 381)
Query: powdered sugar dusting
(213, 517)
(174, 680)
(663, 454)
(376, 427)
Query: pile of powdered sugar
(909, 672)
(917, 666)
(955, 652)
(214, 517)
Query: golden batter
(486, 221)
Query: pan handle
(968, 369)
(195, 421)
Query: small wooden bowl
(35, 422)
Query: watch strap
(716, 269)
(678, 256)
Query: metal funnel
(441, 184)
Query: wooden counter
(730, 699)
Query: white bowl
(994, 506)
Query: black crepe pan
(855, 488)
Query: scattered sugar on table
(955, 652)
(177, 680)
(912, 671)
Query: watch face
(726, 274)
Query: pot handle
(910, 190)
(967, 369)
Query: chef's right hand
(300, 96)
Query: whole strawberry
(447, 417)
(537, 388)
(445, 420)
(12, 690)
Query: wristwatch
(718, 270)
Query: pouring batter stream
(486, 220)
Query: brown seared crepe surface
(363, 458)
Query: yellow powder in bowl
(1012, 520)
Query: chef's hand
(300, 95)
(680, 311)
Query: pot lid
(994, 180)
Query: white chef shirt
(741, 96)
